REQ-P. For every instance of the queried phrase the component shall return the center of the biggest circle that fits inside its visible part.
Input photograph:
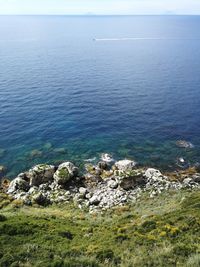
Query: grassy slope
(164, 231)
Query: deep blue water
(131, 98)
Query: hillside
(159, 231)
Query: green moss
(63, 173)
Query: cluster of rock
(101, 187)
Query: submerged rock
(35, 153)
(60, 150)
(48, 146)
(65, 172)
(184, 144)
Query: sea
(74, 87)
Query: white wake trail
(141, 38)
(127, 39)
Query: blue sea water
(65, 96)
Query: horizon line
(96, 15)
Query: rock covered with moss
(43, 183)
(65, 172)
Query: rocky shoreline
(101, 187)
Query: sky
(100, 7)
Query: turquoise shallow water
(64, 96)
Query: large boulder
(41, 174)
(153, 175)
(125, 165)
(65, 172)
(18, 184)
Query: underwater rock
(47, 146)
(60, 150)
(35, 153)
(184, 144)
(40, 174)
(65, 172)
(125, 165)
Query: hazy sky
(99, 7)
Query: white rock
(94, 200)
(112, 184)
(40, 174)
(187, 181)
(153, 194)
(33, 190)
(82, 191)
(18, 184)
(153, 174)
(125, 165)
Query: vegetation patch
(163, 231)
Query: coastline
(153, 230)
(100, 187)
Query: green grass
(164, 231)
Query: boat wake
(139, 38)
